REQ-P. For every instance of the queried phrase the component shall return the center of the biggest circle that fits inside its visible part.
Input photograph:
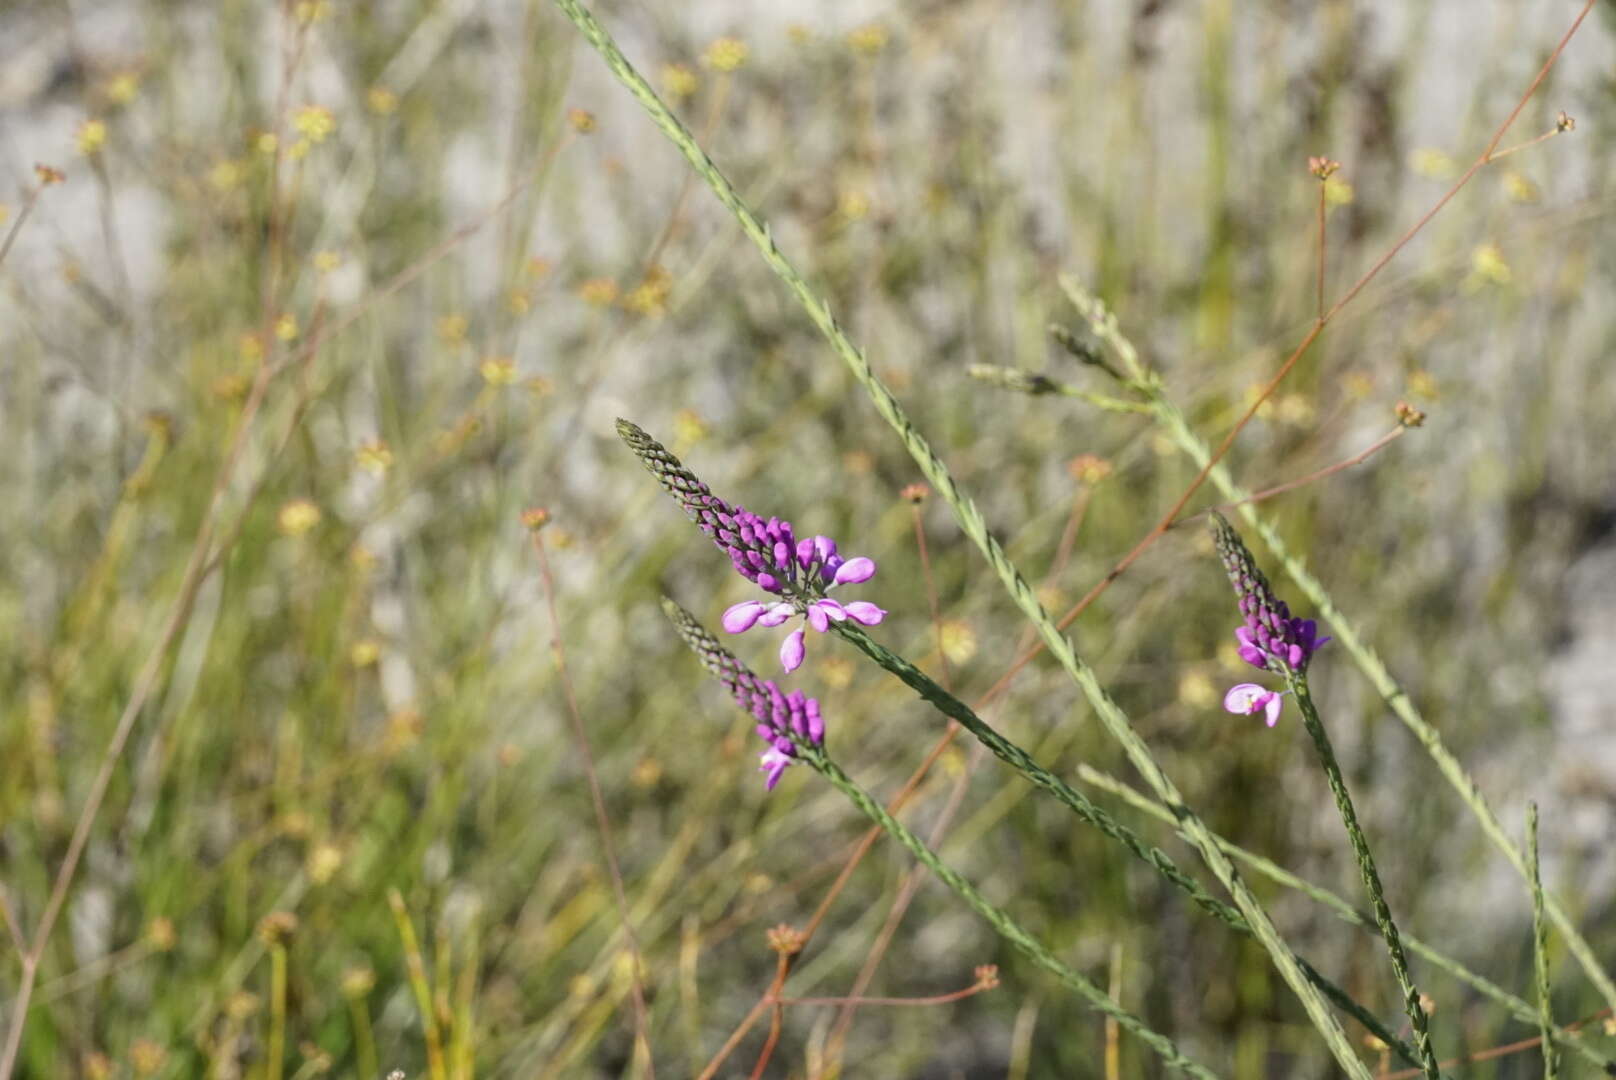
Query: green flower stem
(1297, 680)
(1018, 759)
(1001, 922)
(974, 526)
(1540, 949)
(1519, 1007)
(1104, 325)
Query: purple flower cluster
(766, 553)
(785, 721)
(822, 569)
(1270, 638)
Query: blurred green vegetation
(362, 697)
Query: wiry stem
(1343, 629)
(1540, 949)
(1001, 922)
(1366, 866)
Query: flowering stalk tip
(799, 572)
(1270, 638)
(786, 722)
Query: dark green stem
(1001, 922)
(1371, 877)
(1080, 804)
(1022, 762)
(1540, 949)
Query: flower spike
(785, 721)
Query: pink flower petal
(833, 609)
(776, 615)
(1272, 707)
(792, 651)
(1245, 699)
(825, 548)
(817, 618)
(865, 612)
(854, 571)
(740, 617)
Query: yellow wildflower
(298, 517)
(726, 54)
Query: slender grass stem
(1521, 1009)
(1540, 950)
(974, 526)
(1343, 629)
(1018, 759)
(1001, 922)
(1366, 866)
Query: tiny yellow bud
(1431, 163)
(323, 863)
(452, 329)
(646, 773)
(1089, 468)
(225, 175)
(298, 517)
(374, 456)
(535, 518)
(1520, 188)
(582, 120)
(957, 640)
(598, 292)
(365, 653)
(868, 39)
(146, 1057)
(250, 347)
(1337, 192)
(679, 80)
(1196, 691)
(277, 927)
(498, 370)
(314, 122)
(689, 427)
(726, 54)
(241, 1005)
(122, 87)
(381, 100)
(92, 137)
(1487, 266)
(787, 940)
(286, 327)
(327, 261)
(160, 932)
(267, 143)
(1322, 167)
(357, 982)
(49, 175)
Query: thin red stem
(642, 1027)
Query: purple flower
(1248, 699)
(1270, 638)
(785, 721)
(813, 570)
